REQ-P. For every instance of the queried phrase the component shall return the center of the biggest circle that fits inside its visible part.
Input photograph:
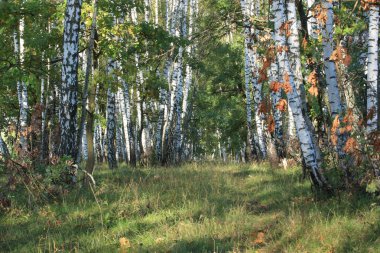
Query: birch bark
(68, 106)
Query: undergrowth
(202, 207)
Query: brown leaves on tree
(375, 141)
(263, 107)
(313, 90)
(285, 28)
(334, 130)
(365, 4)
(371, 113)
(320, 14)
(340, 54)
(262, 75)
(313, 80)
(281, 49)
(282, 105)
(271, 124)
(286, 85)
(271, 53)
(275, 86)
(304, 43)
(351, 146)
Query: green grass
(195, 208)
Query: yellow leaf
(260, 238)
(124, 242)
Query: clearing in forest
(204, 207)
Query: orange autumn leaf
(260, 238)
(334, 129)
(365, 4)
(371, 113)
(334, 55)
(124, 242)
(313, 91)
(349, 118)
(287, 87)
(347, 60)
(263, 108)
(266, 63)
(286, 77)
(340, 54)
(271, 53)
(285, 28)
(262, 76)
(375, 141)
(304, 43)
(271, 124)
(351, 146)
(349, 128)
(275, 86)
(321, 14)
(282, 104)
(336, 124)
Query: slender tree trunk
(373, 68)
(68, 108)
(294, 100)
(22, 90)
(4, 152)
(329, 65)
(296, 66)
(88, 74)
(247, 74)
(312, 24)
(277, 115)
(111, 129)
(129, 126)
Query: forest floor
(202, 207)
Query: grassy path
(195, 208)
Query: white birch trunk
(329, 65)
(22, 90)
(294, 100)
(111, 129)
(68, 108)
(312, 24)
(373, 68)
(247, 75)
(277, 115)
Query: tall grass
(202, 207)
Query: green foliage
(200, 208)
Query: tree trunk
(111, 129)
(329, 65)
(88, 75)
(247, 75)
(68, 108)
(294, 100)
(373, 65)
(22, 90)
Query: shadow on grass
(127, 196)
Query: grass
(202, 207)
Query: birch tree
(88, 75)
(304, 135)
(373, 68)
(111, 122)
(68, 106)
(22, 89)
(329, 65)
(247, 76)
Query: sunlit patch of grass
(201, 207)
